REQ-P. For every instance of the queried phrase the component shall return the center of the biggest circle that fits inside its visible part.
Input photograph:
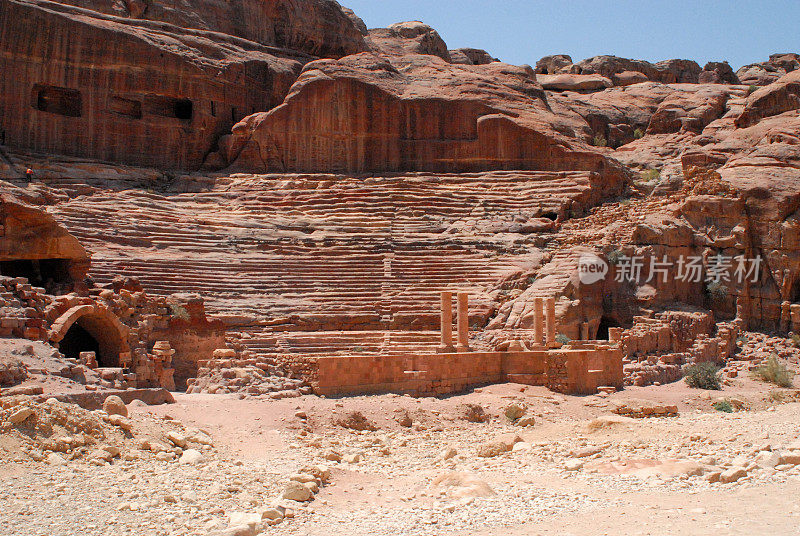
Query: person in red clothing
(29, 175)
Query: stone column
(551, 322)
(447, 323)
(538, 321)
(584, 331)
(463, 322)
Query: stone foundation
(565, 370)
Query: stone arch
(109, 337)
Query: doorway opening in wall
(77, 340)
(602, 330)
(183, 109)
(52, 274)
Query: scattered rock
(20, 415)
(113, 405)
(191, 457)
(295, 491)
(732, 475)
(355, 420)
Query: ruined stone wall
(575, 371)
(22, 309)
(657, 349)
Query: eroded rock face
(471, 56)
(667, 71)
(781, 96)
(367, 113)
(412, 37)
(172, 84)
(319, 28)
(36, 246)
(553, 64)
(764, 73)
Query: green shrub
(796, 340)
(178, 311)
(752, 89)
(650, 175)
(723, 405)
(777, 396)
(563, 339)
(703, 376)
(599, 141)
(774, 372)
(638, 134)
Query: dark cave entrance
(79, 340)
(51, 274)
(602, 330)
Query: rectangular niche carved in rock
(127, 107)
(169, 107)
(57, 100)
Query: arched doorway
(89, 328)
(602, 330)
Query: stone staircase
(321, 264)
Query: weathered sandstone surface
(173, 82)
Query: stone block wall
(22, 309)
(656, 349)
(575, 371)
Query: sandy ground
(392, 488)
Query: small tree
(600, 141)
(638, 134)
(563, 339)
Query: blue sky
(518, 31)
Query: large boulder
(573, 82)
(717, 72)
(471, 56)
(767, 72)
(412, 37)
(776, 98)
(690, 111)
(554, 64)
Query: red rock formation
(35, 246)
(553, 64)
(471, 56)
(667, 71)
(162, 95)
(764, 73)
(573, 82)
(717, 72)
(364, 113)
(315, 27)
(404, 38)
(780, 96)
